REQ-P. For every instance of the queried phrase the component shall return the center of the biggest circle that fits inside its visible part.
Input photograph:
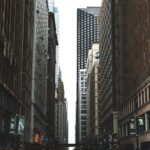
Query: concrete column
(148, 98)
(144, 96)
(115, 122)
(146, 122)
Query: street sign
(132, 127)
(21, 123)
(17, 123)
(12, 125)
(140, 125)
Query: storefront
(127, 147)
(145, 145)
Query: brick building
(133, 70)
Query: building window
(83, 117)
(83, 111)
(83, 128)
(83, 123)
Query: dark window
(83, 111)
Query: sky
(67, 52)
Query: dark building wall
(133, 65)
(52, 43)
(11, 48)
(16, 46)
(107, 67)
(133, 28)
(26, 65)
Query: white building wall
(82, 106)
(92, 68)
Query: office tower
(87, 33)
(93, 101)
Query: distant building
(82, 107)
(51, 5)
(87, 33)
(55, 10)
(93, 101)
(61, 115)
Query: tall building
(39, 69)
(51, 65)
(93, 101)
(124, 72)
(55, 10)
(133, 86)
(27, 67)
(16, 46)
(61, 120)
(107, 71)
(87, 33)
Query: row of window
(143, 97)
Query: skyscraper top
(91, 10)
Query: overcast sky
(67, 52)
